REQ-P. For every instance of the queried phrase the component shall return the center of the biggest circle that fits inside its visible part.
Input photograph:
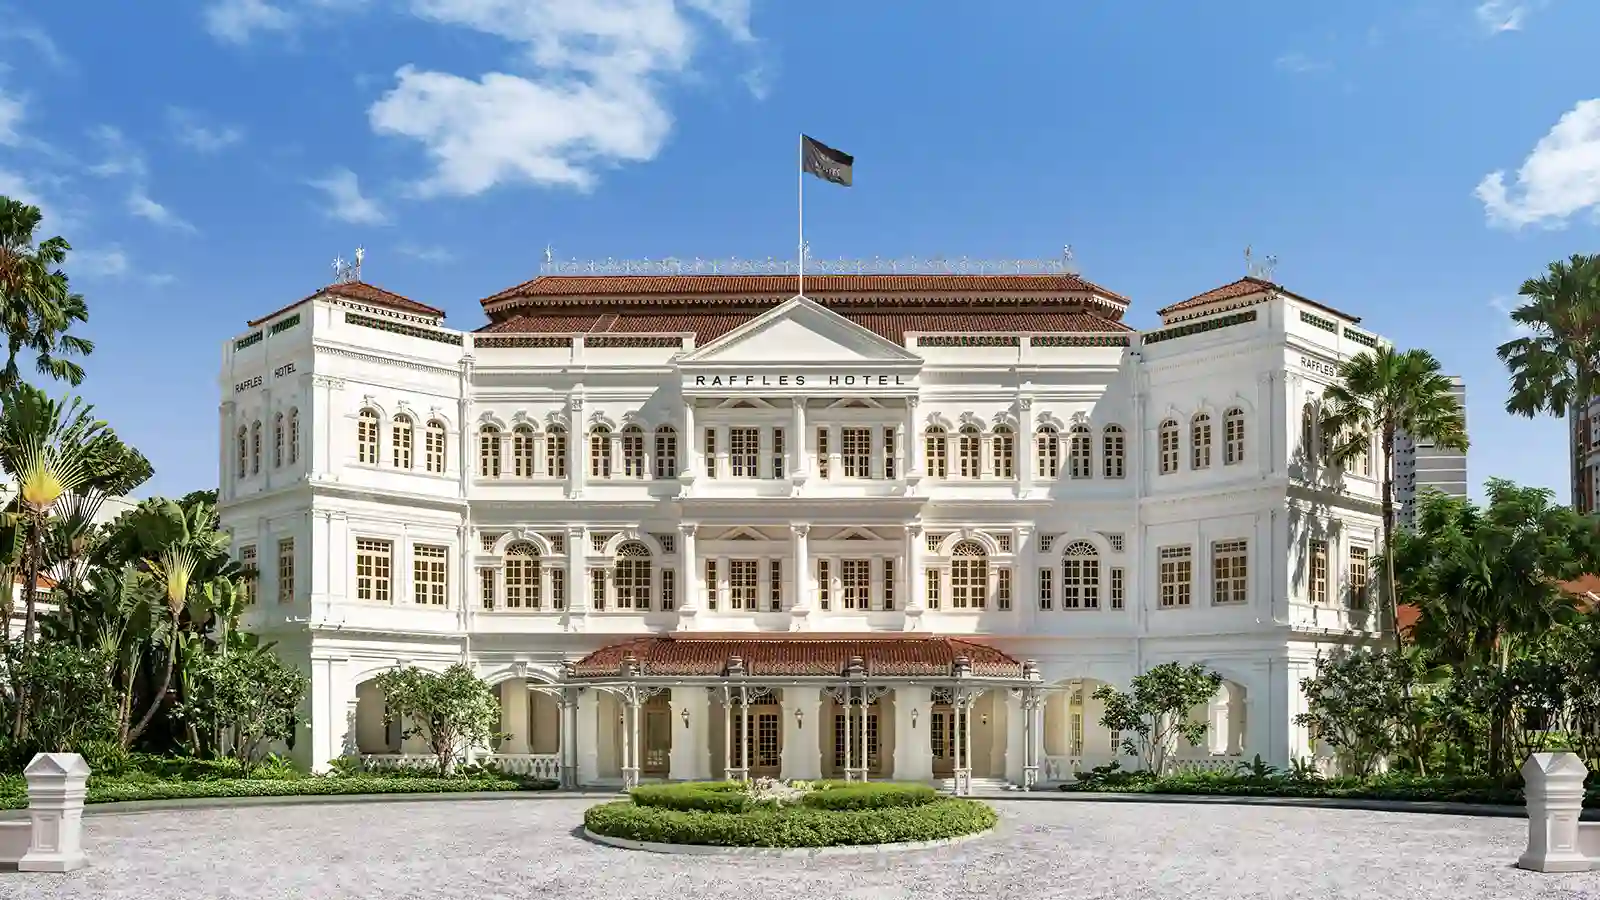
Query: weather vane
(1263, 269)
(346, 272)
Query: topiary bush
(870, 795)
(793, 826)
(695, 796)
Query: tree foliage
(451, 711)
(1558, 363)
(1154, 717)
(37, 305)
(242, 698)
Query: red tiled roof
(1244, 287)
(360, 292)
(556, 286)
(799, 655)
(708, 327)
(1585, 591)
(43, 582)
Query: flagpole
(800, 174)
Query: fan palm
(1382, 394)
(37, 306)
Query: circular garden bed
(774, 814)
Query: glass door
(657, 756)
(874, 762)
(942, 740)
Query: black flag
(817, 158)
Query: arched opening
(530, 719)
(1169, 438)
(1226, 738)
(631, 577)
(367, 437)
(1074, 739)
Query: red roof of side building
(791, 654)
(562, 286)
(1585, 591)
(1242, 288)
(360, 292)
(708, 326)
(43, 582)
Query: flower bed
(796, 814)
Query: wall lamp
(685, 716)
(799, 718)
(984, 719)
(913, 717)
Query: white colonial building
(901, 527)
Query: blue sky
(209, 159)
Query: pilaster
(586, 745)
(691, 718)
(802, 717)
(913, 751)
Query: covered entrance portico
(910, 708)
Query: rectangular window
(936, 447)
(933, 595)
(286, 570)
(1002, 588)
(1080, 579)
(888, 584)
(373, 574)
(247, 561)
(855, 577)
(1118, 591)
(429, 574)
(711, 584)
(888, 453)
(742, 584)
(1358, 577)
(522, 582)
(597, 589)
(1047, 588)
(558, 589)
(855, 450)
(1177, 576)
(744, 452)
(486, 588)
(669, 590)
(1319, 571)
(824, 586)
(775, 585)
(777, 453)
(822, 453)
(1230, 572)
(711, 453)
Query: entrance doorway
(944, 726)
(869, 722)
(766, 739)
(656, 736)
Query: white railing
(1061, 768)
(400, 760)
(534, 765)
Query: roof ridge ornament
(348, 272)
(877, 265)
(1262, 268)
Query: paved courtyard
(512, 849)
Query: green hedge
(870, 795)
(732, 797)
(791, 826)
(1385, 787)
(695, 796)
(14, 796)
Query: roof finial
(1069, 260)
(361, 254)
(1262, 269)
(549, 255)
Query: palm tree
(37, 305)
(1383, 393)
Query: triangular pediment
(800, 331)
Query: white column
(689, 445)
(797, 439)
(586, 743)
(913, 452)
(1016, 735)
(835, 454)
(1217, 737)
(802, 754)
(688, 573)
(691, 755)
(577, 571)
(913, 751)
(577, 445)
(1025, 578)
(1026, 447)
(804, 592)
(515, 710)
(916, 572)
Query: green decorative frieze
(1078, 340)
(427, 334)
(248, 340)
(1327, 325)
(1198, 327)
(1365, 340)
(282, 325)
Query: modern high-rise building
(1584, 453)
(1421, 466)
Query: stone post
(57, 783)
(1554, 788)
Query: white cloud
(345, 200)
(140, 205)
(427, 254)
(15, 186)
(190, 131)
(123, 160)
(1504, 306)
(12, 109)
(112, 262)
(1558, 180)
(596, 100)
(237, 21)
(1497, 16)
(1300, 64)
(35, 37)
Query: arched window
(488, 452)
(1080, 576)
(1200, 441)
(277, 441)
(1308, 433)
(433, 447)
(522, 455)
(367, 437)
(555, 451)
(935, 446)
(632, 451)
(1005, 452)
(1047, 447)
(522, 576)
(294, 436)
(969, 451)
(632, 577)
(1169, 446)
(1079, 453)
(402, 432)
(244, 451)
(1115, 452)
(1233, 437)
(969, 576)
(255, 447)
(666, 452)
(599, 452)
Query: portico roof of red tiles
(801, 655)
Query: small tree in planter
(451, 711)
(1155, 716)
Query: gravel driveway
(516, 849)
